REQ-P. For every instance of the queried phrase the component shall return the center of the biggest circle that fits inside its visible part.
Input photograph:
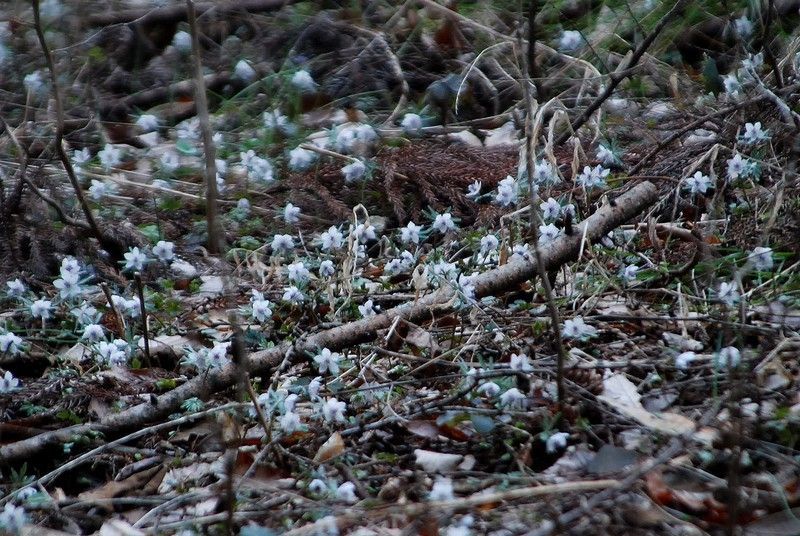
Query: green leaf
(151, 231)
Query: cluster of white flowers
(258, 169)
(207, 358)
(261, 307)
(507, 192)
(13, 519)
(399, 265)
(68, 284)
(275, 120)
(593, 177)
(115, 353)
(355, 138)
(301, 159)
(110, 156)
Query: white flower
(489, 389)
(135, 259)
(367, 310)
(550, 209)
(474, 190)
(326, 268)
(219, 353)
(570, 40)
(357, 138)
(258, 169)
(347, 493)
(99, 189)
(291, 214)
(513, 398)
(275, 120)
(289, 422)
(548, 233)
(300, 159)
(293, 294)
(410, 233)
(298, 273)
(506, 192)
(411, 123)
(332, 239)
(110, 353)
(170, 161)
(147, 122)
(489, 243)
(728, 357)
(41, 309)
(606, 155)
(282, 243)
(244, 72)
(698, 183)
(363, 233)
(10, 343)
(727, 293)
(743, 27)
(466, 286)
(593, 177)
(188, 129)
(737, 167)
(85, 314)
(110, 156)
(682, 361)
(750, 64)
(13, 518)
(544, 174)
(354, 171)
(521, 251)
(444, 223)
(520, 362)
(262, 310)
(576, 328)
(556, 442)
(732, 84)
(164, 251)
(93, 332)
(445, 270)
(80, 158)
(333, 410)
(314, 387)
(33, 82)
(68, 286)
(328, 361)
(182, 42)
(16, 288)
(407, 261)
(628, 273)
(442, 490)
(302, 81)
(753, 133)
(393, 267)
(318, 486)
(761, 259)
(8, 383)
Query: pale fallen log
(562, 250)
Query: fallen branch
(563, 250)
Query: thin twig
(137, 277)
(214, 228)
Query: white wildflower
(410, 233)
(576, 328)
(147, 122)
(520, 362)
(753, 133)
(293, 294)
(93, 333)
(135, 259)
(682, 361)
(298, 273)
(164, 251)
(347, 492)
(550, 209)
(41, 309)
(728, 357)
(333, 410)
(727, 293)
(326, 268)
(513, 398)
(556, 442)
(303, 81)
(442, 490)
(444, 223)
(698, 183)
(282, 243)
(474, 190)
(244, 72)
(110, 156)
(10, 343)
(570, 40)
(411, 123)
(367, 309)
(354, 171)
(332, 239)
(291, 214)
(300, 159)
(761, 258)
(548, 233)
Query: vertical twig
(533, 73)
(201, 100)
(137, 277)
(534, 220)
(59, 135)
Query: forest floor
(403, 324)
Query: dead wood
(179, 13)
